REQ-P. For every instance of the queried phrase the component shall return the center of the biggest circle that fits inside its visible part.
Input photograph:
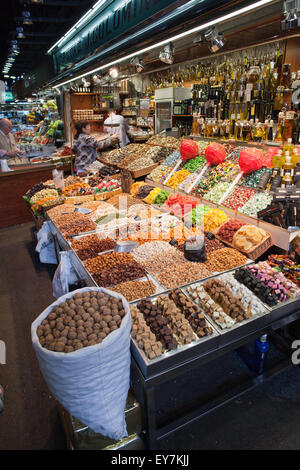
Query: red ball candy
(215, 153)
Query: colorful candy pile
(152, 195)
(215, 194)
(286, 265)
(161, 198)
(213, 219)
(160, 173)
(195, 163)
(196, 215)
(238, 198)
(177, 178)
(253, 179)
(172, 159)
(179, 205)
(256, 203)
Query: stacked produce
(83, 320)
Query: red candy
(238, 198)
(188, 149)
(251, 159)
(215, 153)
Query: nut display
(164, 141)
(143, 335)
(192, 313)
(119, 273)
(158, 324)
(91, 245)
(158, 263)
(134, 290)
(60, 210)
(85, 319)
(148, 250)
(224, 259)
(74, 224)
(106, 261)
(224, 297)
(176, 320)
(182, 273)
(37, 188)
(44, 193)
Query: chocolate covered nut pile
(192, 313)
(90, 246)
(119, 273)
(83, 320)
(142, 333)
(134, 290)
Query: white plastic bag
(45, 246)
(64, 275)
(58, 178)
(92, 383)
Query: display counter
(14, 184)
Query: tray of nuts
(165, 334)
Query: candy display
(143, 335)
(152, 195)
(215, 194)
(144, 191)
(285, 264)
(213, 219)
(194, 164)
(224, 259)
(197, 214)
(161, 197)
(85, 319)
(77, 189)
(279, 285)
(158, 324)
(264, 293)
(160, 173)
(248, 236)
(177, 178)
(254, 178)
(176, 320)
(192, 313)
(199, 295)
(238, 198)
(256, 203)
(223, 296)
(172, 158)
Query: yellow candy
(135, 187)
(152, 195)
(177, 178)
(214, 219)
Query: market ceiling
(50, 20)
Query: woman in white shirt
(117, 124)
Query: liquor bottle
(288, 125)
(286, 76)
(277, 160)
(270, 131)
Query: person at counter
(85, 146)
(117, 123)
(8, 146)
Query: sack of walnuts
(82, 342)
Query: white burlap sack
(91, 383)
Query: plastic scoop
(214, 153)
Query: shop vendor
(85, 146)
(8, 146)
(117, 123)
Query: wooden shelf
(182, 115)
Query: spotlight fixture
(14, 47)
(138, 64)
(96, 80)
(215, 39)
(113, 72)
(291, 11)
(86, 84)
(199, 40)
(26, 17)
(166, 55)
(20, 32)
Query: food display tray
(284, 309)
(241, 329)
(170, 359)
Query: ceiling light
(215, 39)
(96, 80)
(138, 64)
(20, 32)
(166, 55)
(202, 27)
(26, 17)
(113, 72)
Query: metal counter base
(145, 388)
